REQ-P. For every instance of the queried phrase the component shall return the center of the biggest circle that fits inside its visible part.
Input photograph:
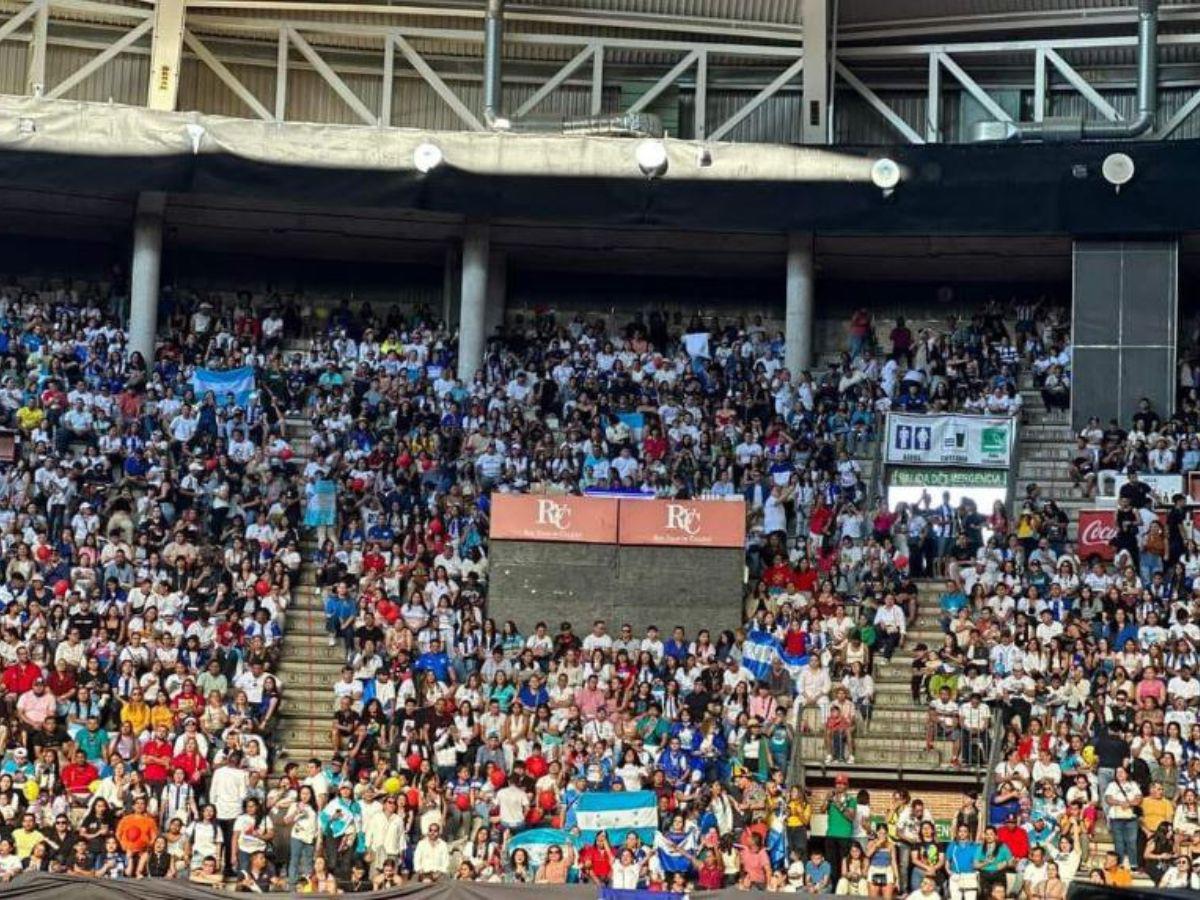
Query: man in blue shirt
(676, 645)
(340, 610)
(436, 661)
(961, 855)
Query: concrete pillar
(798, 323)
(451, 284)
(473, 307)
(145, 272)
(497, 293)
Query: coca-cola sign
(1097, 528)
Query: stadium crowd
(153, 539)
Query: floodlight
(427, 157)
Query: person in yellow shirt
(27, 836)
(798, 820)
(1115, 874)
(136, 712)
(30, 417)
(161, 713)
(1156, 809)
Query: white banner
(1162, 487)
(982, 441)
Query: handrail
(993, 760)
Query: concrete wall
(664, 586)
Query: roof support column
(814, 129)
(166, 54)
(472, 322)
(798, 320)
(145, 273)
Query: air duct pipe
(493, 53)
(1060, 130)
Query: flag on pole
(618, 813)
(239, 382)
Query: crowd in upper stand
(153, 543)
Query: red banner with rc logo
(532, 517)
(683, 523)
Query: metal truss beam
(876, 103)
(759, 99)
(1184, 113)
(227, 78)
(1080, 84)
(589, 52)
(98, 62)
(665, 82)
(973, 87)
(21, 17)
(434, 81)
(331, 77)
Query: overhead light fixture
(1118, 170)
(651, 158)
(885, 175)
(427, 157)
(501, 124)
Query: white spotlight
(1118, 170)
(427, 157)
(885, 175)
(651, 158)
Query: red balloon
(462, 801)
(358, 485)
(413, 798)
(556, 821)
(61, 587)
(534, 816)
(286, 453)
(262, 588)
(547, 801)
(413, 761)
(537, 766)
(43, 552)
(497, 778)
(210, 464)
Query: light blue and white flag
(636, 422)
(239, 382)
(537, 841)
(795, 664)
(673, 851)
(618, 813)
(321, 508)
(758, 652)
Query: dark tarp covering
(1085, 890)
(95, 148)
(954, 190)
(43, 886)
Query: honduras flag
(618, 813)
(239, 382)
(794, 663)
(673, 850)
(758, 652)
(537, 841)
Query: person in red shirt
(819, 521)
(598, 858)
(78, 775)
(61, 681)
(19, 677)
(1014, 837)
(805, 577)
(156, 758)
